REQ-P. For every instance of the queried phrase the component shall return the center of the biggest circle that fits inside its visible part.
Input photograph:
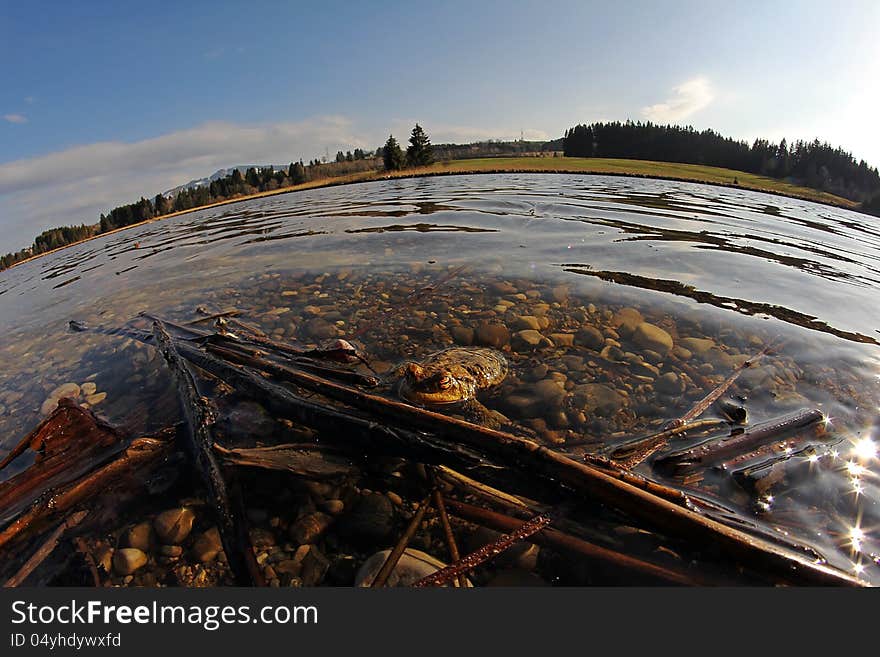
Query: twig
(485, 553)
(451, 544)
(714, 451)
(700, 407)
(633, 453)
(44, 550)
(83, 549)
(556, 539)
(395, 554)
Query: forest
(812, 164)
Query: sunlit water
(407, 267)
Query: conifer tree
(392, 155)
(419, 153)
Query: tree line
(813, 164)
(234, 185)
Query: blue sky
(103, 102)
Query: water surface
(406, 267)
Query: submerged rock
(128, 560)
(652, 338)
(207, 546)
(492, 335)
(173, 526)
(371, 520)
(413, 566)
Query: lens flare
(865, 449)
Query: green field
(673, 170)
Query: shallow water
(407, 267)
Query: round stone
(173, 526)
(413, 566)
(591, 338)
(128, 560)
(652, 338)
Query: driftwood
(44, 550)
(121, 474)
(199, 420)
(716, 451)
(502, 449)
(306, 460)
(68, 443)
(556, 539)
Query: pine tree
(392, 155)
(419, 153)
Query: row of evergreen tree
(234, 185)
(814, 164)
(419, 153)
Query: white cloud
(15, 118)
(688, 97)
(74, 186)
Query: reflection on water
(560, 272)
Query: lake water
(556, 271)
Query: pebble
(626, 320)
(314, 567)
(320, 329)
(128, 560)
(140, 536)
(590, 337)
(492, 335)
(462, 335)
(529, 339)
(333, 507)
(97, 398)
(669, 384)
(207, 545)
(598, 398)
(88, 388)
(652, 338)
(562, 339)
(413, 566)
(697, 346)
(173, 526)
(170, 550)
(310, 527)
(371, 520)
(526, 322)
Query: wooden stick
(453, 436)
(199, 420)
(715, 451)
(700, 407)
(449, 536)
(485, 553)
(395, 554)
(44, 550)
(556, 539)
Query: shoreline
(436, 171)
